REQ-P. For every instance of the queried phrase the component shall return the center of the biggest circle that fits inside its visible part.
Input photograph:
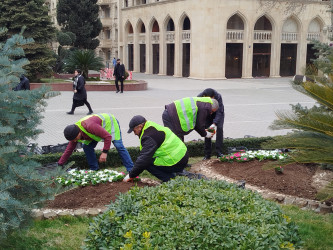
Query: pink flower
(231, 157)
(86, 172)
(122, 173)
(245, 159)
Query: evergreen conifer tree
(81, 18)
(22, 188)
(34, 15)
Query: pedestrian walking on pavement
(188, 114)
(90, 130)
(214, 122)
(119, 73)
(80, 93)
(162, 153)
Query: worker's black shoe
(206, 157)
(219, 155)
(117, 91)
(70, 113)
(90, 112)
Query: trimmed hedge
(192, 214)
(195, 149)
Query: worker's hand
(127, 178)
(209, 135)
(123, 76)
(75, 91)
(103, 157)
(213, 126)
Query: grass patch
(316, 230)
(53, 80)
(63, 233)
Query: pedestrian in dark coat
(23, 85)
(119, 73)
(80, 93)
(214, 121)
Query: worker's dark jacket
(23, 85)
(218, 116)
(204, 109)
(151, 140)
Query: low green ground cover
(315, 230)
(192, 214)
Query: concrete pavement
(250, 105)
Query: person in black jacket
(214, 121)
(157, 143)
(119, 73)
(80, 93)
(23, 85)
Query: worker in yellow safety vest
(162, 153)
(188, 114)
(90, 130)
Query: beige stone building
(213, 39)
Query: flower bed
(89, 177)
(250, 155)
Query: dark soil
(92, 196)
(295, 180)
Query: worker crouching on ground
(90, 130)
(188, 114)
(162, 153)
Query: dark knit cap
(135, 121)
(71, 132)
(209, 92)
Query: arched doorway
(130, 47)
(289, 48)
(314, 33)
(262, 48)
(142, 46)
(156, 47)
(234, 47)
(170, 47)
(186, 40)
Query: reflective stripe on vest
(109, 123)
(171, 151)
(187, 110)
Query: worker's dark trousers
(165, 173)
(119, 78)
(219, 138)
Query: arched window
(235, 23)
(171, 25)
(290, 25)
(263, 24)
(143, 28)
(187, 24)
(155, 28)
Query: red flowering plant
(235, 157)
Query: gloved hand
(213, 126)
(127, 178)
(209, 135)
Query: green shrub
(192, 214)
(126, 74)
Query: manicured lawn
(316, 230)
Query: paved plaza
(250, 105)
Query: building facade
(219, 39)
(212, 39)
